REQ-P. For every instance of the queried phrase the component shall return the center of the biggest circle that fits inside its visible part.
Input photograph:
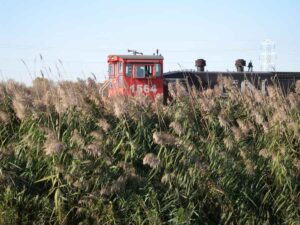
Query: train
(144, 74)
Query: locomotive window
(120, 67)
(120, 81)
(140, 72)
(148, 71)
(110, 70)
(115, 69)
(157, 70)
(144, 71)
(128, 70)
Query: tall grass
(68, 156)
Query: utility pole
(268, 55)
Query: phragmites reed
(41, 89)
(93, 93)
(151, 160)
(52, 145)
(243, 154)
(223, 121)
(165, 178)
(93, 150)
(237, 133)
(297, 87)
(77, 138)
(228, 142)
(258, 118)
(244, 126)
(216, 156)
(206, 104)
(279, 116)
(4, 117)
(163, 138)
(292, 99)
(2, 91)
(273, 92)
(258, 96)
(266, 127)
(264, 153)
(104, 124)
(176, 127)
(69, 95)
(172, 90)
(296, 163)
(226, 82)
(250, 167)
(97, 135)
(22, 104)
(119, 107)
(119, 184)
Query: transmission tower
(268, 55)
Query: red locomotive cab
(135, 74)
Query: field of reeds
(69, 156)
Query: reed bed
(69, 156)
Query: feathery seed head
(250, 167)
(105, 191)
(165, 178)
(282, 151)
(151, 160)
(2, 91)
(292, 99)
(258, 118)
(264, 153)
(279, 117)
(76, 153)
(258, 96)
(243, 154)
(228, 142)
(297, 87)
(93, 150)
(244, 126)
(104, 124)
(275, 158)
(119, 184)
(273, 92)
(296, 163)
(237, 133)
(52, 145)
(77, 138)
(4, 117)
(163, 138)
(227, 82)
(22, 104)
(119, 109)
(177, 128)
(223, 121)
(97, 135)
(77, 184)
(266, 127)
(209, 93)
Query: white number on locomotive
(143, 88)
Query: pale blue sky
(82, 33)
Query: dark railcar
(259, 80)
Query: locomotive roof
(139, 57)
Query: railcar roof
(235, 75)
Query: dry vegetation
(69, 156)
